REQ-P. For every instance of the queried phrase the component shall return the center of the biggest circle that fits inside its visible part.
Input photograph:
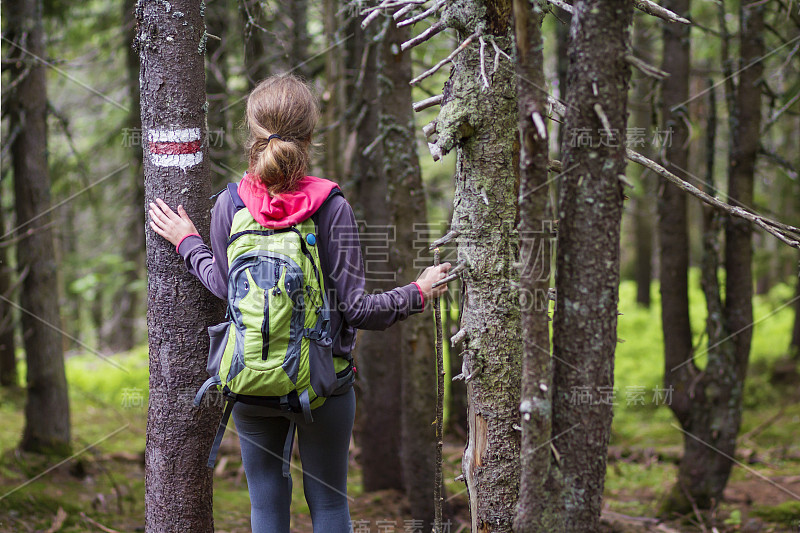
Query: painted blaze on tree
(170, 40)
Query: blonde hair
(285, 108)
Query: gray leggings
(324, 445)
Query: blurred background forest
(94, 161)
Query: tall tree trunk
(587, 263)
(122, 336)
(672, 225)
(539, 509)
(379, 353)
(406, 203)
(478, 118)
(47, 425)
(711, 417)
(334, 99)
(178, 489)
(8, 356)
(258, 52)
(223, 152)
(641, 119)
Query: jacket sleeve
(362, 310)
(210, 265)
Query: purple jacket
(342, 267)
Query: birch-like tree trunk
(540, 508)
(178, 489)
(47, 424)
(587, 263)
(478, 120)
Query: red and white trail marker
(175, 148)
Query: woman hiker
(282, 113)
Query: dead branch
(563, 5)
(435, 29)
(438, 500)
(787, 234)
(449, 236)
(428, 102)
(454, 274)
(425, 14)
(646, 68)
(651, 8)
(444, 61)
(458, 337)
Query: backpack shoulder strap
(233, 190)
(336, 191)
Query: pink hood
(285, 209)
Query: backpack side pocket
(218, 341)
(320, 360)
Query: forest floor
(102, 487)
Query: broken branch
(787, 234)
(651, 8)
(444, 61)
(424, 36)
(428, 102)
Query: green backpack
(276, 347)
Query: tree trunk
(47, 424)
(672, 225)
(587, 263)
(539, 509)
(122, 335)
(178, 484)
(333, 99)
(258, 52)
(457, 422)
(406, 203)
(8, 355)
(478, 118)
(711, 418)
(643, 208)
(379, 353)
(223, 151)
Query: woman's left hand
(170, 225)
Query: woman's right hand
(431, 275)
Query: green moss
(787, 513)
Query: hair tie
(274, 136)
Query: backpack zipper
(276, 291)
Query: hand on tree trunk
(171, 225)
(429, 276)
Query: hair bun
(280, 103)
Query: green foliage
(787, 513)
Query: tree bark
(406, 203)
(122, 335)
(587, 263)
(47, 424)
(178, 484)
(711, 417)
(672, 225)
(478, 119)
(379, 353)
(540, 508)
(643, 205)
(8, 348)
